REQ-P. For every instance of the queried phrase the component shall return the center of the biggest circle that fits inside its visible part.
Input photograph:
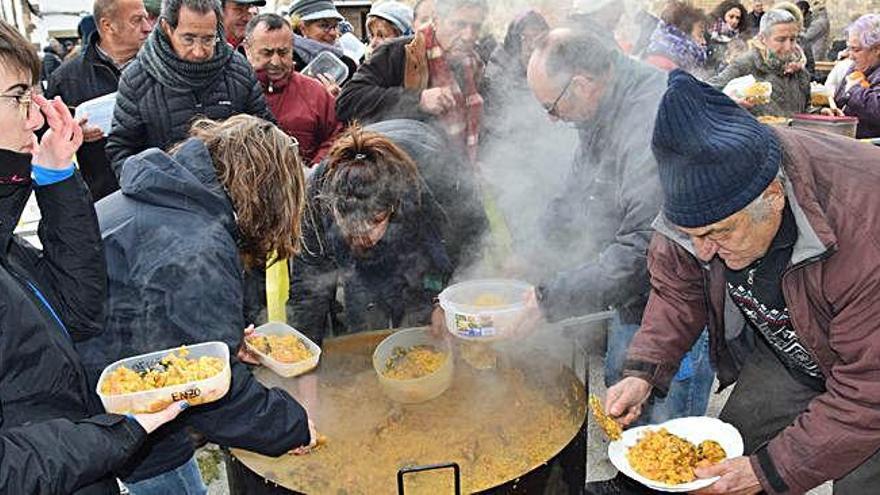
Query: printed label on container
(186, 394)
(474, 326)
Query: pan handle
(456, 470)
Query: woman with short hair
(859, 95)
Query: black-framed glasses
(554, 107)
(24, 100)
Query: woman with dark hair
(54, 435)
(391, 214)
(181, 235)
(727, 23)
(679, 42)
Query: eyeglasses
(188, 40)
(553, 109)
(326, 26)
(24, 100)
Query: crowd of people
(726, 247)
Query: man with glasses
(236, 15)
(122, 28)
(184, 70)
(304, 109)
(603, 217)
(433, 76)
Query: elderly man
(603, 217)
(433, 76)
(775, 57)
(236, 15)
(755, 16)
(304, 109)
(184, 70)
(122, 28)
(769, 236)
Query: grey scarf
(162, 63)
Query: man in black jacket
(122, 30)
(54, 437)
(185, 70)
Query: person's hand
(793, 67)
(244, 354)
(64, 137)
(313, 441)
(152, 421)
(832, 112)
(737, 478)
(528, 321)
(437, 101)
(438, 323)
(329, 84)
(91, 133)
(625, 399)
(744, 102)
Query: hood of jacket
(186, 181)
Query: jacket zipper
(791, 269)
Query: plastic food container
(286, 370)
(329, 65)
(197, 392)
(843, 126)
(467, 319)
(418, 389)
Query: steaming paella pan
(498, 425)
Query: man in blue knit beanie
(770, 235)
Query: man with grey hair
(768, 235)
(122, 28)
(433, 76)
(185, 70)
(774, 56)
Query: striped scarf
(462, 123)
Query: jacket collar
(809, 219)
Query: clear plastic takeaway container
(418, 389)
(329, 65)
(286, 370)
(467, 319)
(196, 392)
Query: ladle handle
(456, 470)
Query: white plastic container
(286, 370)
(467, 320)
(418, 389)
(327, 64)
(197, 392)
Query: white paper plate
(695, 430)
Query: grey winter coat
(154, 109)
(816, 36)
(602, 221)
(791, 92)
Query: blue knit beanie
(714, 158)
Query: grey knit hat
(398, 14)
(312, 10)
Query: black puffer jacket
(154, 110)
(175, 278)
(78, 80)
(428, 238)
(54, 438)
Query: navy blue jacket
(175, 278)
